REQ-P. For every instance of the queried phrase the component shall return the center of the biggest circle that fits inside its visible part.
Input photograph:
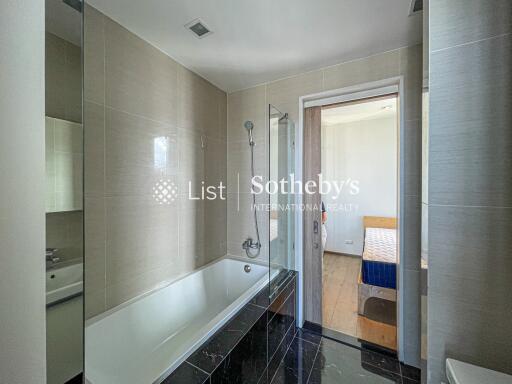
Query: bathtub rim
(165, 284)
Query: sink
(64, 282)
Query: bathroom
(171, 154)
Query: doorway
(359, 154)
(351, 279)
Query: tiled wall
(251, 104)
(147, 119)
(63, 101)
(470, 185)
(63, 72)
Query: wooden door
(312, 234)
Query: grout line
(314, 361)
(195, 366)
(470, 42)
(467, 206)
(285, 353)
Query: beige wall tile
(373, 68)
(249, 104)
(140, 79)
(94, 149)
(94, 55)
(239, 165)
(284, 94)
(73, 83)
(139, 152)
(63, 79)
(64, 231)
(55, 70)
(198, 104)
(95, 255)
(141, 236)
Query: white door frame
(356, 92)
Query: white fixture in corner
(464, 373)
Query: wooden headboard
(379, 222)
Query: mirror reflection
(64, 196)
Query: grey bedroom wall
(137, 99)
(22, 281)
(470, 185)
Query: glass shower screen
(281, 200)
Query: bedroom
(360, 151)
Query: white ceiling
(256, 41)
(364, 110)
(63, 21)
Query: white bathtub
(143, 341)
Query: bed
(378, 268)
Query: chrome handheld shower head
(249, 126)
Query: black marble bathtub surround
(210, 355)
(249, 347)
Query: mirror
(64, 164)
(64, 191)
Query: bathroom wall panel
(458, 22)
(470, 192)
(148, 121)
(412, 232)
(411, 67)
(470, 102)
(469, 285)
(412, 163)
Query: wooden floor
(340, 275)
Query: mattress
(379, 257)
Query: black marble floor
(314, 359)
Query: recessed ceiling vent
(199, 28)
(416, 6)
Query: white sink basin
(64, 282)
